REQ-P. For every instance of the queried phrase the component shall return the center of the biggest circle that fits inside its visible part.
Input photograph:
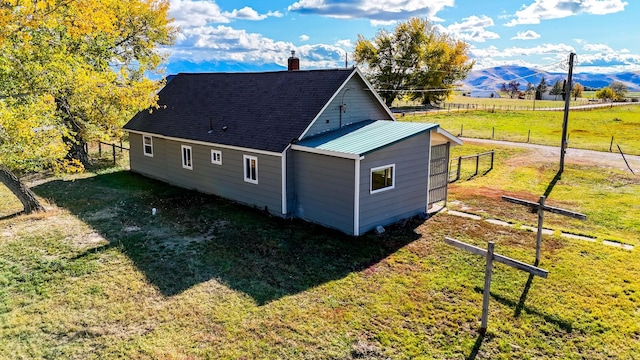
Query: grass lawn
(99, 277)
(587, 129)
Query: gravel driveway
(573, 156)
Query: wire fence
(470, 166)
(104, 150)
(468, 107)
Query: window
(186, 157)
(250, 169)
(147, 144)
(216, 157)
(383, 178)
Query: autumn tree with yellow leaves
(415, 60)
(73, 71)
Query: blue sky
(535, 33)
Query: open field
(99, 277)
(498, 102)
(591, 129)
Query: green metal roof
(367, 136)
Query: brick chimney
(293, 64)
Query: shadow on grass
(196, 237)
(552, 184)
(519, 307)
(476, 347)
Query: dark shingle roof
(264, 111)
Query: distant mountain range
(492, 78)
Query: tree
(504, 88)
(530, 91)
(541, 88)
(72, 72)
(605, 94)
(619, 89)
(414, 59)
(577, 90)
(557, 89)
(513, 88)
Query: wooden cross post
(491, 257)
(540, 208)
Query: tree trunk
(77, 150)
(76, 144)
(26, 196)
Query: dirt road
(572, 156)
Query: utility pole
(535, 92)
(565, 120)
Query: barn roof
(264, 111)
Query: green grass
(609, 197)
(499, 103)
(587, 129)
(99, 277)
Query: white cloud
(224, 43)
(523, 56)
(380, 12)
(345, 43)
(545, 49)
(556, 9)
(608, 62)
(597, 47)
(303, 37)
(552, 57)
(247, 13)
(190, 13)
(473, 29)
(383, 22)
(526, 35)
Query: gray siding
(325, 190)
(226, 180)
(361, 105)
(291, 182)
(155, 166)
(409, 197)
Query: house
(319, 145)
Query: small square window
(186, 157)
(383, 178)
(250, 168)
(147, 144)
(216, 157)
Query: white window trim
(244, 168)
(182, 152)
(144, 145)
(393, 178)
(219, 156)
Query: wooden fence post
(488, 270)
(611, 144)
(529, 135)
(113, 148)
(477, 164)
(459, 168)
(461, 128)
(539, 234)
(493, 132)
(492, 154)
(99, 149)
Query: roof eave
(454, 139)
